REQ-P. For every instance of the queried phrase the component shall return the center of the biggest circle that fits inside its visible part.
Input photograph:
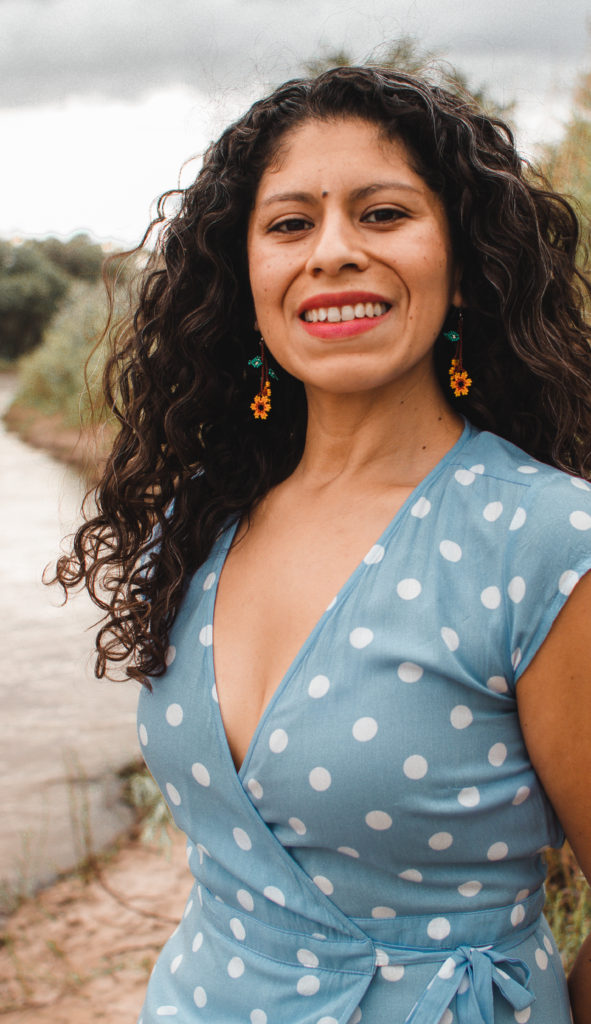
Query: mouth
(334, 315)
(345, 313)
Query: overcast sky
(101, 101)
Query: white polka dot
(498, 684)
(409, 672)
(143, 735)
(197, 942)
(199, 996)
(258, 1017)
(451, 551)
(174, 714)
(581, 484)
(516, 589)
(378, 820)
(548, 945)
(517, 915)
(255, 788)
(278, 741)
(519, 518)
(382, 913)
(491, 597)
(199, 896)
(200, 774)
(235, 967)
(521, 795)
(242, 839)
(421, 508)
(308, 985)
(461, 716)
(319, 687)
(318, 935)
(332, 604)
(357, 1015)
(393, 973)
(411, 875)
(274, 894)
(521, 895)
(469, 889)
(328, 1020)
(498, 851)
(469, 797)
(527, 469)
(447, 1017)
(441, 841)
(516, 657)
(374, 555)
(173, 794)
(298, 826)
(464, 477)
(478, 468)
(307, 958)
(492, 511)
(447, 968)
(382, 958)
(438, 928)
(176, 963)
(580, 520)
(415, 767)
(408, 589)
(319, 779)
(206, 636)
(497, 755)
(237, 928)
(324, 884)
(522, 1016)
(348, 851)
(464, 985)
(450, 638)
(568, 582)
(214, 694)
(541, 959)
(209, 581)
(245, 899)
(360, 637)
(167, 1011)
(188, 908)
(170, 655)
(365, 729)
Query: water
(65, 735)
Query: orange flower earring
(261, 404)
(459, 381)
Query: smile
(341, 314)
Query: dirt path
(82, 952)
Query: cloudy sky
(102, 101)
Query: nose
(336, 247)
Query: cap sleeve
(546, 556)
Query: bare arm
(554, 702)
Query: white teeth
(336, 314)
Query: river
(65, 735)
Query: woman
(366, 780)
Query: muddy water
(64, 734)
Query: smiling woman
(360, 615)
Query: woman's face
(350, 259)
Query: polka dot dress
(377, 857)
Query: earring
(261, 404)
(459, 381)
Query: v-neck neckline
(223, 547)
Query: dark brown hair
(188, 454)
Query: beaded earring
(459, 381)
(261, 404)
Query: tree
(567, 163)
(31, 288)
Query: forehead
(325, 153)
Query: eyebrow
(358, 193)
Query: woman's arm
(554, 702)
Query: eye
(384, 215)
(290, 225)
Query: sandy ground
(82, 951)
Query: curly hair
(188, 455)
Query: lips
(341, 300)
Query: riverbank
(83, 448)
(82, 951)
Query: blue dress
(377, 857)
